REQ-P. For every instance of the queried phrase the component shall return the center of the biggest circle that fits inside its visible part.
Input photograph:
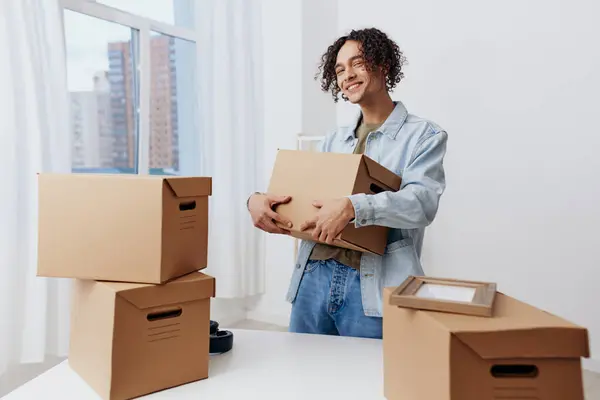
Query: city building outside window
(131, 71)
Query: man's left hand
(333, 216)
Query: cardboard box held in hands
(128, 340)
(520, 352)
(308, 176)
(126, 228)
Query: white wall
(516, 85)
(319, 30)
(295, 33)
(282, 52)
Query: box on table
(308, 176)
(128, 339)
(128, 228)
(520, 352)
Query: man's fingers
(270, 227)
(311, 223)
(267, 224)
(316, 233)
(260, 226)
(329, 238)
(276, 217)
(263, 226)
(319, 233)
(273, 200)
(323, 236)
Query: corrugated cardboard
(128, 340)
(308, 176)
(519, 353)
(128, 228)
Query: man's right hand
(263, 216)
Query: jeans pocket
(312, 265)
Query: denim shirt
(413, 148)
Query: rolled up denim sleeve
(415, 205)
(323, 144)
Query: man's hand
(331, 219)
(263, 216)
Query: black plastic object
(220, 341)
(214, 327)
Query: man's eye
(339, 71)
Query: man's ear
(382, 74)
(381, 71)
(385, 70)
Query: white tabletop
(261, 365)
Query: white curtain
(230, 117)
(34, 137)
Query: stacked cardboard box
(134, 246)
(520, 352)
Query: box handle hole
(189, 205)
(514, 371)
(155, 316)
(376, 188)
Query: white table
(261, 365)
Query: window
(173, 12)
(131, 82)
(172, 67)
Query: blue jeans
(329, 303)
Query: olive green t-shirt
(348, 257)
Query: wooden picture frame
(446, 295)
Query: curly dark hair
(378, 51)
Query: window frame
(144, 26)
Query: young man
(337, 291)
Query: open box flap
(377, 172)
(190, 186)
(193, 286)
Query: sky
(87, 37)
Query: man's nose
(350, 74)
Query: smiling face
(354, 79)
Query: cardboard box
(308, 176)
(519, 353)
(128, 340)
(128, 228)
